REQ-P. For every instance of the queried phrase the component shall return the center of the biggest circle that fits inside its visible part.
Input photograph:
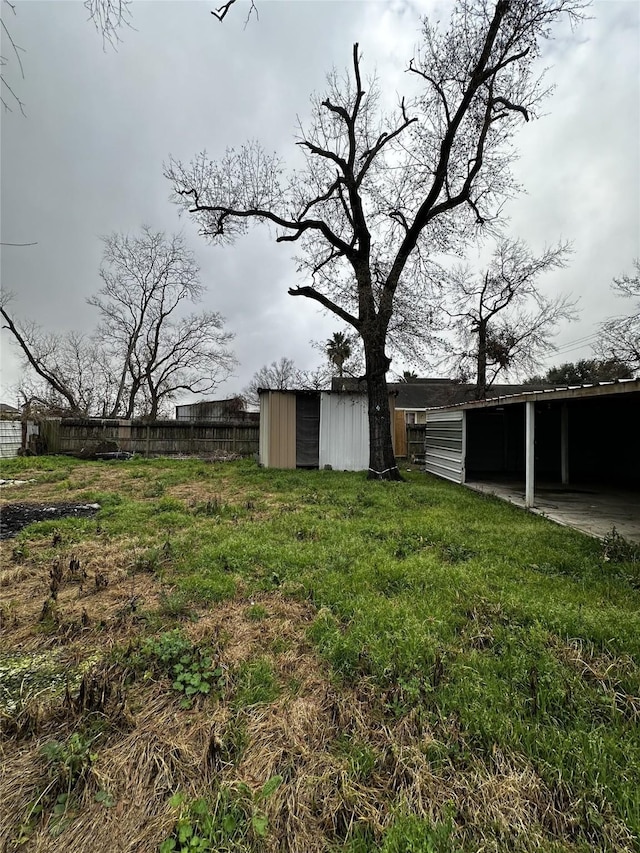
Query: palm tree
(338, 349)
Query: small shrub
(617, 549)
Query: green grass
(480, 619)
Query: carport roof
(571, 392)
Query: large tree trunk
(382, 460)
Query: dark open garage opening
(574, 451)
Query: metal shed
(314, 429)
(344, 431)
(584, 434)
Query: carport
(571, 453)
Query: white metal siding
(444, 445)
(344, 432)
(11, 437)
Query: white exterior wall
(11, 437)
(445, 445)
(344, 432)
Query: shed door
(307, 431)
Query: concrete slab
(594, 510)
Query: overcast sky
(87, 159)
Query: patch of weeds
(155, 489)
(146, 563)
(359, 755)
(420, 836)
(69, 761)
(617, 549)
(232, 821)
(256, 612)
(279, 645)
(212, 508)
(391, 579)
(454, 553)
(207, 590)
(20, 552)
(621, 558)
(105, 798)
(309, 534)
(190, 667)
(409, 543)
(256, 683)
(68, 765)
(176, 605)
(233, 741)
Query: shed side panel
(263, 443)
(344, 432)
(444, 445)
(282, 430)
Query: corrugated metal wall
(344, 432)
(445, 445)
(11, 437)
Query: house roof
(6, 409)
(433, 393)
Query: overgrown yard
(227, 658)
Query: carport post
(529, 439)
(564, 443)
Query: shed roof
(569, 392)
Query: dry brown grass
(96, 596)
(152, 748)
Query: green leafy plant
(230, 821)
(68, 761)
(190, 667)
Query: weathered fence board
(157, 438)
(415, 441)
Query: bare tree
(500, 321)
(379, 195)
(280, 375)
(145, 349)
(146, 279)
(620, 336)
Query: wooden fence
(157, 438)
(415, 441)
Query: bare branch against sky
(88, 158)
